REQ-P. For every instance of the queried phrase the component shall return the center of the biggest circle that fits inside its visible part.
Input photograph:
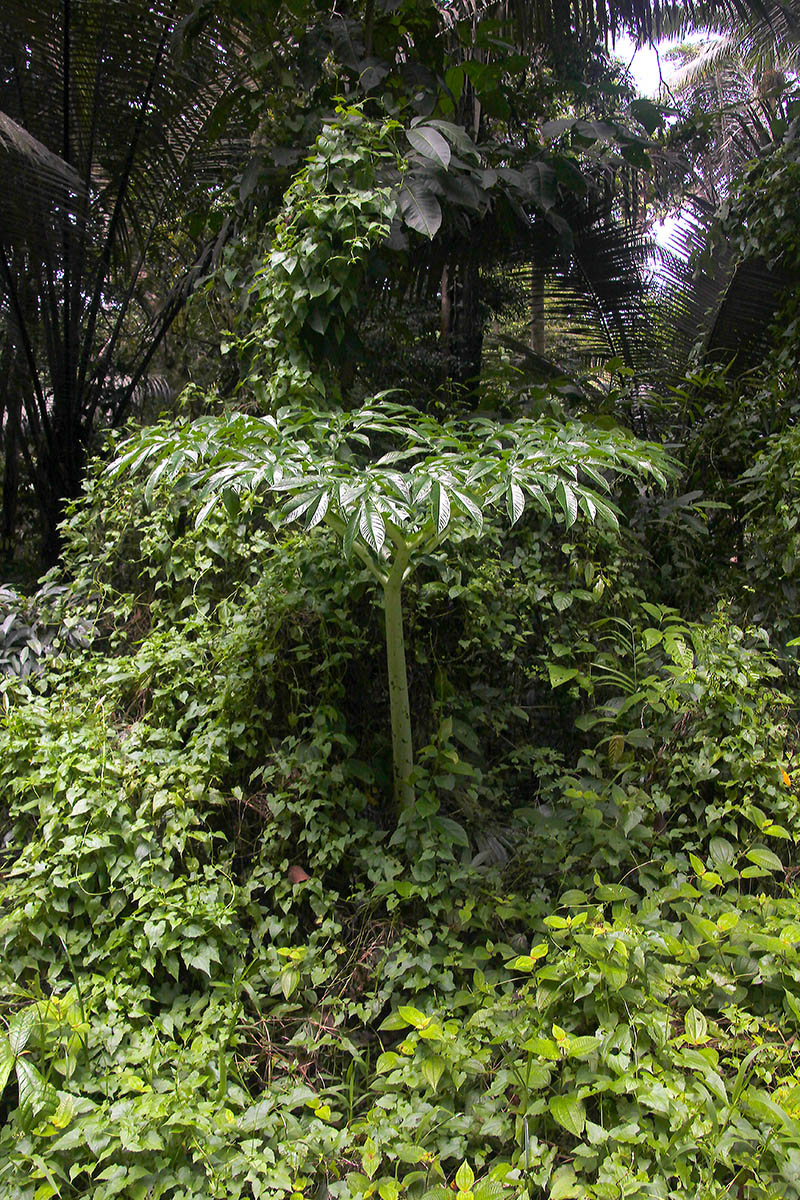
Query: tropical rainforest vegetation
(399, 763)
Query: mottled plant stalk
(399, 706)
(391, 581)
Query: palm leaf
(554, 22)
(710, 302)
(36, 186)
(106, 99)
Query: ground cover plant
(230, 971)
(241, 955)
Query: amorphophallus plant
(393, 485)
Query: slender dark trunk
(58, 481)
(467, 325)
(8, 519)
(537, 309)
(444, 327)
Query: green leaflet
(569, 1111)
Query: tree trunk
(467, 325)
(537, 309)
(8, 521)
(444, 327)
(59, 479)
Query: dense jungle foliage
(399, 759)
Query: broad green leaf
(454, 79)
(20, 1028)
(654, 1095)
(412, 1016)
(351, 529)
(542, 1047)
(727, 921)
(470, 507)
(763, 1103)
(6, 1062)
(587, 505)
(465, 1177)
(696, 1027)
(205, 510)
(616, 748)
(541, 499)
(419, 207)
(289, 982)
(609, 892)
(35, 1093)
(764, 858)
(393, 1022)
(388, 1061)
(64, 1113)
(527, 962)
(455, 832)
(370, 1158)
(596, 1135)
(538, 1076)
(569, 1112)
(696, 1060)
(559, 675)
(407, 1152)
(432, 1069)
(582, 1047)
(615, 974)
(720, 851)
(564, 1184)
(607, 513)
(678, 650)
(793, 1004)
(651, 637)
(232, 502)
(430, 143)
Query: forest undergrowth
(228, 971)
(231, 968)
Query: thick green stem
(402, 746)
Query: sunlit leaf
(764, 858)
(569, 1112)
(318, 514)
(440, 507)
(371, 526)
(515, 502)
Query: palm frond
(106, 99)
(37, 188)
(712, 304)
(691, 282)
(748, 308)
(768, 29)
(551, 22)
